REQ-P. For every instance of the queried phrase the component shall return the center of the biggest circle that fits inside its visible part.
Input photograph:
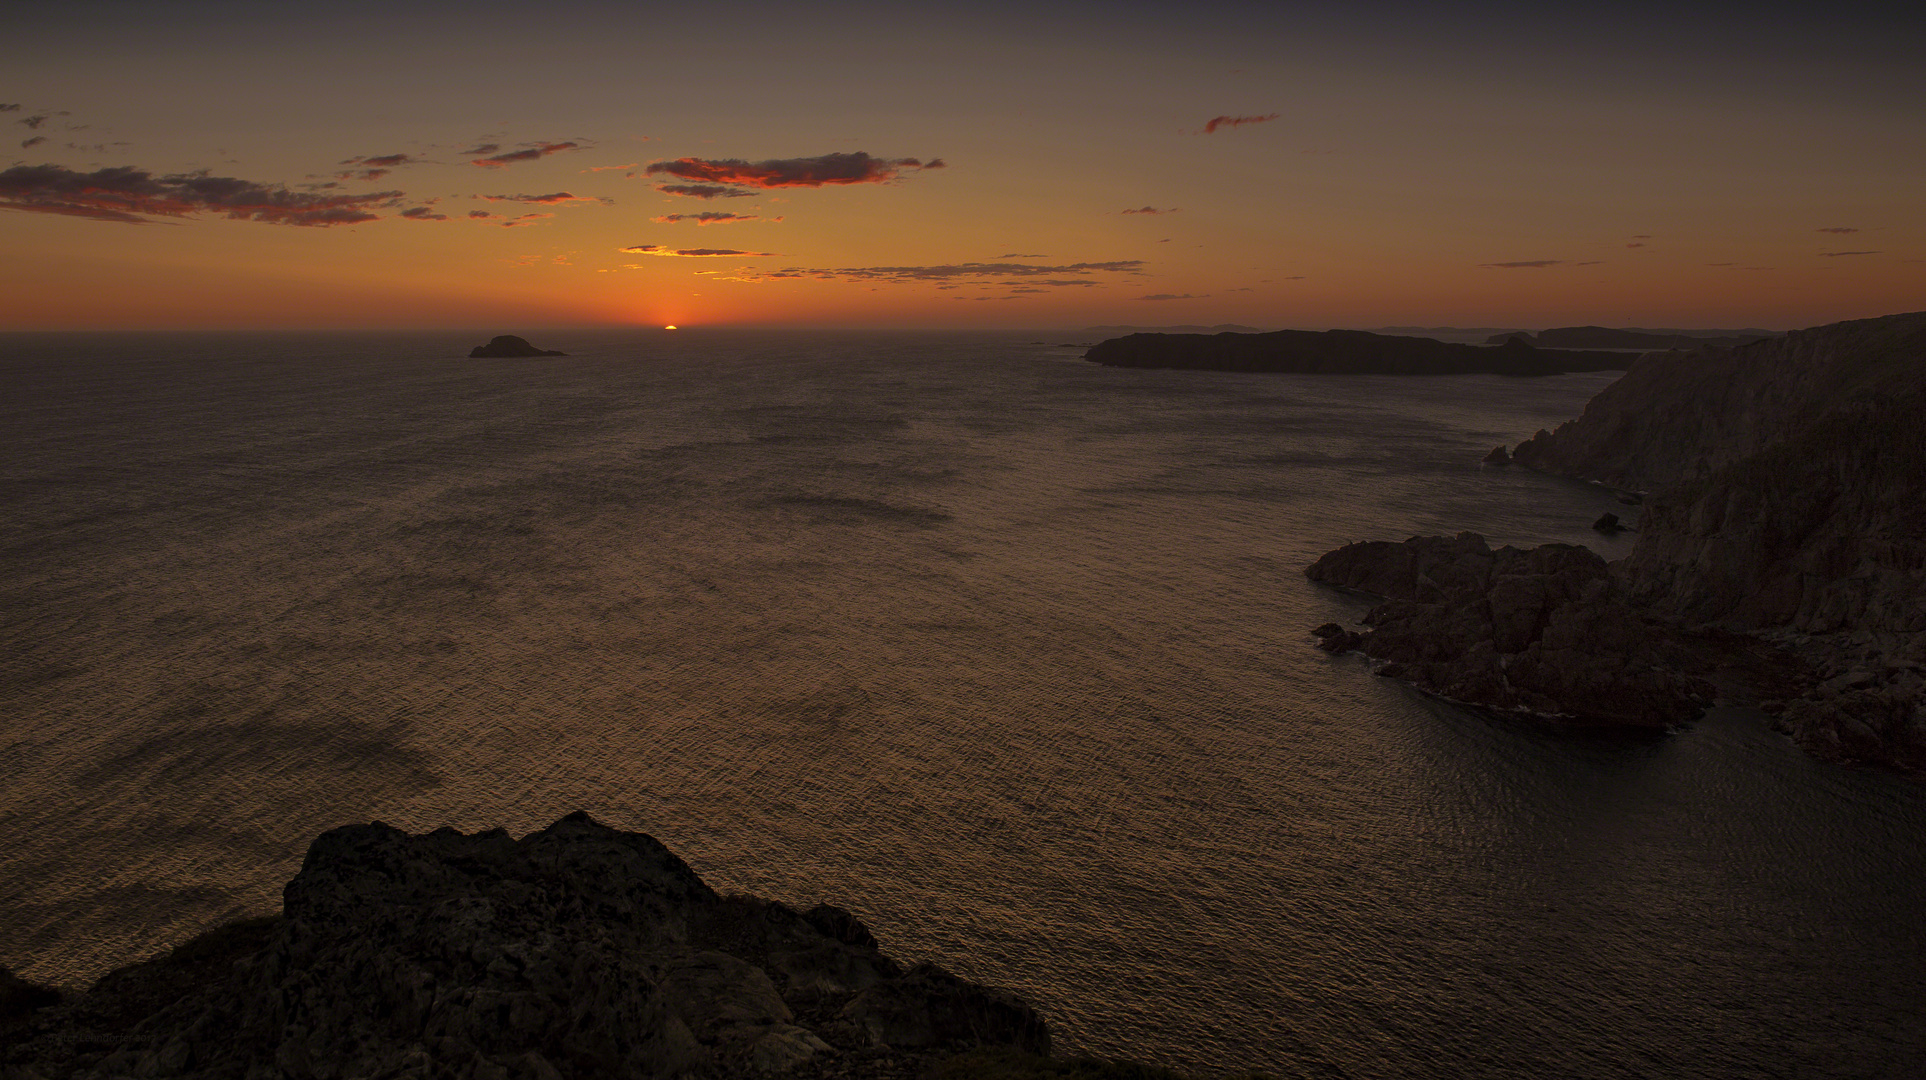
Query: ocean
(1005, 652)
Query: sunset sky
(1038, 164)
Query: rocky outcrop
(1341, 352)
(509, 346)
(1789, 504)
(577, 951)
(1547, 631)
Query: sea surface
(1004, 651)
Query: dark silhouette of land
(1343, 352)
(508, 345)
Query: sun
(670, 327)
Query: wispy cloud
(613, 168)
(15, 107)
(553, 199)
(422, 213)
(1839, 230)
(1526, 264)
(1215, 122)
(136, 196)
(706, 191)
(481, 149)
(695, 253)
(1843, 254)
(506, 221)
(856, 168)
(1175, 296)
(978, 273)
(708, 217)
(513, 157)
(29, 144)
(1152, 210)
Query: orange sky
(1042, 165)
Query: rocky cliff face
(1791, 478)
(1678, 415)
(578, 951)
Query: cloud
(33, 142)
(136, 196)
(706, 191)
(15, 107)
(478, 151)
(1642, 236)
(1842, 254)
(507, 222)
(707, 217)
(553, 199)
(534, 153)
(1840, 230)
(856, 168)
(1216, 122)
(1014, 255)
(695, 253)
(1636, 244)
(422, 213)
(1532, 264)
(34, 122)
(612, 168)
(965, 273)
(1175, 296)
(1151, 210)
(382, 161)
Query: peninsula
(1342, 352)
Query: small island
(508, 345)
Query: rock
(1607, 524)
(1498, 456)
(1546, 631)
(576, 951)
(931, 1007)
(18, 997)
(508, 345)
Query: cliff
(1341, 352)
(1790, 506)
(1676, 415)
(577, 951)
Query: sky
(1037, 165)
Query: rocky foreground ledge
(576, 951)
